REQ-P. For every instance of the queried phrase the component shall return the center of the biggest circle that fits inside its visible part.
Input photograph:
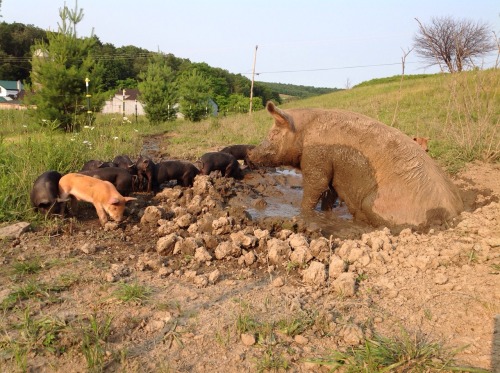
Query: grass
(36, 290)
(27, 267)
(133, 292)
(403, 353)
(94, 334)
(271, 361)
(298, 324)
(39, 335)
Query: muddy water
(283, 197)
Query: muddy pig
(45, 192)
(389, 182)
(240, 152)
(117, 176)
(145, 170)
(223, 162)
(95, 164)
(181, 171)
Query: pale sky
(321, 43)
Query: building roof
(11, 85)
(130, 93)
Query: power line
(328, 68)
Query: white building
(124, 102)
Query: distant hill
(289, 92)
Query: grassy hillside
(290, 92)
(460, 113)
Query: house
(11, 92)
(124, 102)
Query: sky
(321, 43)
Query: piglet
(223, 162)
(102, 194)
(45, 192)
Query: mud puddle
(281, 198)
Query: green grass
(32, 335)
(403, 353)
(27, 267)
(271, 361)
(35, 290)
(133, 292)
(94, 334)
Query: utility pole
(253, 76)
(88, 96)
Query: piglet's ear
(114, 201)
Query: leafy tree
(16, 40)
(127, 83)
(195, 91)
(454, 43)
(59, 70)
(238, 103)
(158, 90)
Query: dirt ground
(230, 279)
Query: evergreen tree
(158, 90)
(195, 91)
(59, 70)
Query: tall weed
(473, 116)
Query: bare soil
(235, 289)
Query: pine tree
(158, 90)
(59, 70)
(195, 91)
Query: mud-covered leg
(317, 177)
(314, 186)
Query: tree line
(55, 65)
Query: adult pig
(223, 162)
(45, 193)
(181, 171)
(240, 152)
(382, 175)
(119, 177)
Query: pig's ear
(127, 199)
(114, 201)
(281, 119)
